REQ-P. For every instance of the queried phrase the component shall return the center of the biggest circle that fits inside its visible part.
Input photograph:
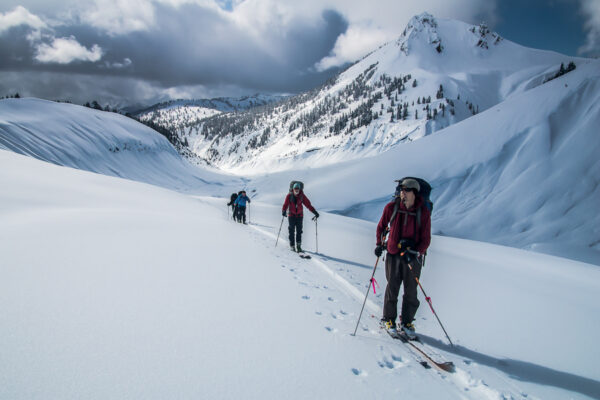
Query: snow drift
(98, 141)
(111, 288)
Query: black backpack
(424, 190)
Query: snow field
(484, 295)
(112, 288)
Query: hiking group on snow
(404, 231)
(238, 206)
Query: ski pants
(241, 214)
(396, 272)
(295, 229)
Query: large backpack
(424, 191)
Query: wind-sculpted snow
(97, 141)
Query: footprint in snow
(343, 312)
(306, 297)
(330, 299)
(318, 313)
(359, 372)
(392, 363)
(330, 329)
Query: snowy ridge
(97, 141)
(177, 115)
(438, 73)
(495, 175)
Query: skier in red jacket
(293, 202)
(409, 238)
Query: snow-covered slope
(437, 73)
(97, 141)
(182, 115)
(115, 289)
(524, 173)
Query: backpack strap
(396, 203)
(417, 217)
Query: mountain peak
(485, 36)
(420, 27)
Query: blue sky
(542, 24)
(144, 51)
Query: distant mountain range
(437, 73)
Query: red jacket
(404, 225)
(294, 204)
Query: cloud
(189, 47)
(119, 17)
(591, 11)
(20, 16)
(65, 51)
(352, 45)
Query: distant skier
(293, 202)
(231, 203)
(240, 204)
(408, 240)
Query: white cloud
(356, 42)
(591, 11)
(65, 51)
(20, 16)
(118, 65)
(118, 17)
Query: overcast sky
(143, 51)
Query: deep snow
(115, 289)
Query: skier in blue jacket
(240, 204)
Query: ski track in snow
(324, 283)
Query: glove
(316, 214)
(284, 213)
(378, 251)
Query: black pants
(295, 229)
(241, 214)
(396, 272)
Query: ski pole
(317, 233)
(278, 233)
(428, 299)
(366, 295)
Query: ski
(417, 344)
(417, 357)
(423, 357)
